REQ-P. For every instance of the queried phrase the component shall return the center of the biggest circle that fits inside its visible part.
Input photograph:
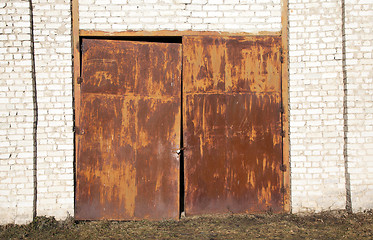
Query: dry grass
(327, 225)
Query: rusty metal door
(129, 130)
(232, 124)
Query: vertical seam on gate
(181, 168)
(76, 61)
(285, 103)
(35, 111)
(282, 130)
(345, 113)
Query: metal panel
(232, 124)
(129, 131)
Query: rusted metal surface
(127, 165)
(232, 124)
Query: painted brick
(254, 15)
(52, 23)
(15, 162)
(319, 140)
(359, 68)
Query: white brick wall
(359, 66)
(16, 114)
(316, 105)
(197, 15)
(52, 24)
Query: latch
(281, 109)
(180, 150)
(79, 80)
(283, 167)
(79, 131)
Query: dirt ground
(327, 225)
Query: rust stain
(232, 124)
(127, 167)
(131, 190)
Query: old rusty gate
(232, 124)
(129, 131)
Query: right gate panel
(232, 124)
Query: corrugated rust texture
(127, 165)
(232, 124)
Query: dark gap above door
(160, 39)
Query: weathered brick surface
(52, 24)
(316, 105)
(359, 67)
(196, 15)
(16, 114)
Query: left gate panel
(128, 131)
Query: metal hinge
(281, 109)
(78, 130)
(283, 190)
(283, 167)
(83, 48)
(281, 56)
(282, 133)
(79, 80)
